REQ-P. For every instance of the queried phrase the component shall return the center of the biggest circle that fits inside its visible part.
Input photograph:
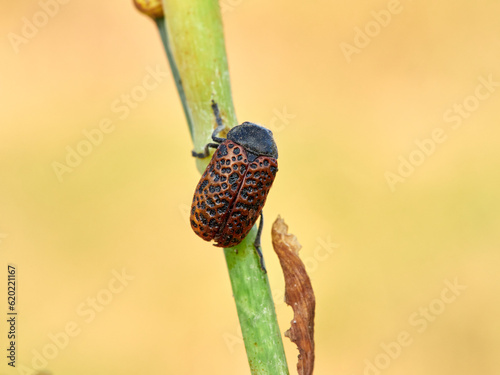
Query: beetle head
(254, 138)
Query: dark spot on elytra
(234, 186)
(224, 186)
(242, 205)
(233, 177)
(230, 145)
(228, 162)
(244, 193)
(203, 219)
(253, 166)
(235, 167)
(226, 170)
(243, 168)
(266, 163)
(211, 212)
(273, 170)
(222, 151)
(210, 202)
(236, 151)
(240, 157)
(203, 186)
(213, 223)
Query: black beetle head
(254, 138)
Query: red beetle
(233, 189)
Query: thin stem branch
(193, 37)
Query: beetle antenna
(220, 125)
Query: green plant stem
(194, 42)
(255, 307)
(160, 22)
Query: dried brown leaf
(298, 294)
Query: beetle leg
(256, 243)
(218, 129)
(205, 152)
(220, 125)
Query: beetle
(233, 189)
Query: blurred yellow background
(386, 115)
